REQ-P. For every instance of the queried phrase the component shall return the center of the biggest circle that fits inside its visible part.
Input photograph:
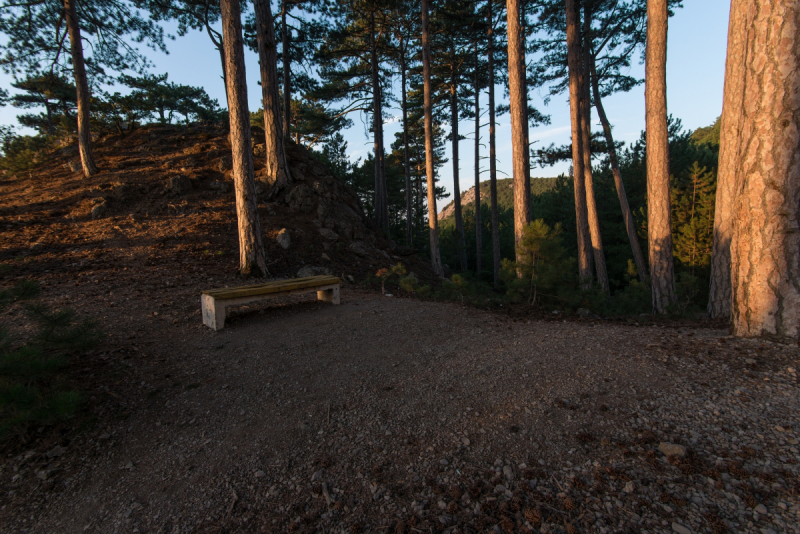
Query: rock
(180, 184)
(761, 509)
(318, 475)
(260, 150)
(56, 451)
(328, 234)
(680, 529)
(260, 474)
(351, 279)
(283, 239)
(358, 248)
(222, 187)
(74, 166)
(508, 472)
(465, 441)
(99, 210)
(125, 192)
(629, 487)
(670, 449)
(301, 198)
(313, 270)
(583, 312)
(325, 257)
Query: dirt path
(397, 415)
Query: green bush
(31, 388)
(22, 153)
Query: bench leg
(329, 295)
(213, 312)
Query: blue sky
(695, 74)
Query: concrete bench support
(214, 301)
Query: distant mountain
(505, 195)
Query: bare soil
(378, 415)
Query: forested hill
(505, 195)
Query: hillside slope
(505, 195)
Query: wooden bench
(213, 301)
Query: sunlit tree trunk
(406, 164)
(493, 155)
(719, 294)
(574, 68)
(526, 126)
(287, 70)
(627, 216)
(277, 171)
(478, 222)
(765, 248)
(516, 69)
(252, 261)
(433, 223)
(659, 233)
(586, 145)
(462, 246)
(82, 86)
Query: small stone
(99, 210)
(351, 279)
(328, 234)
(104, 437)
(680, 529)
(749, 361)
(465, 441)
(325, 257)
(41, 475)
(761, 509)
(283, 239)
(318, 475)
(260, 474)
(180, 184)
(670, 449)
(56, 451)
(443, 461)
(508, 472)
(629, 487)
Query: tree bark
(586, 145)
(380, 195)
(627, 216)
(406, 164)
(277, 171)
(581, 215)
(478, 222)
(493, 155)
(526, 125)
(516, 67)
(462, 243)
(765, 249)
(287, 76)
(252, 261)
(719, 295)
(433, 222)
(82, 89)
(659, 233)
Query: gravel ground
(397, 415)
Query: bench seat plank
(274, 286)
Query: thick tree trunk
(516, 69)
(381, 195)
(493, 156)
(433, 222)
(586, 144)
(277, 171)
(659, 233)
(627, 216)
(406, 163)
(719, 295)
(765, 249)
(581, 216)
(82, 89)
(478, 222)
(526, 125)
(287, 73)
(252, 261)
(462, 243)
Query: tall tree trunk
(581, 216)
(659, 233)
(380, 196)
(516, 68)
(627, 216)
(82, 89)
(252, 261)
(277, 171)
(526, 125)
(406, 163)
(287, 73)
(478, 222)
(493, 155)
(586, 133)
(719, 295)
(433, 222)
(765, 249)
(462, 243)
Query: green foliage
(398, 270)
(693, 198)
(20, 154)
(31, 388)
